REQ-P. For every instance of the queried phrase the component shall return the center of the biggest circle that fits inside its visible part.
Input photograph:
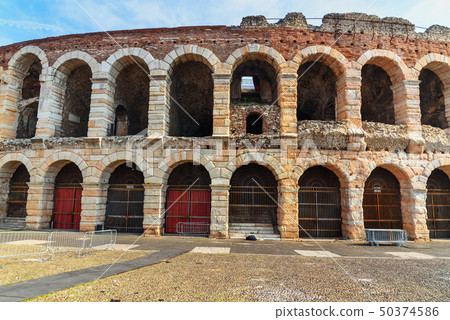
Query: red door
(189, 210)
(67, 209)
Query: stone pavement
(171, 246)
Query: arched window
(432, 102)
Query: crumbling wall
(326, 135)
(77, 101)
(132, 93)
(436, 140)
(376, 95)
(385, 137)
(432, 104)
(191, 97)
(270, 115)
(316, 92)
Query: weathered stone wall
(349, 147)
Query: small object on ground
(250, 237)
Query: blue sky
(22, 20)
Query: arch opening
(188, 200)
(377, 98)
(316, 92)
(132, 95)
(77, 102)
(319, 204)
(253, 197)
(254, 81)
(125, 202)
(18, 193)
(191, 100)
(29, 102)
(382, 201)
(432, 103)
(438, 204)
(67, 198)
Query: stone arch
(104, 167)
(21, 59)
(126, 56)
(330, 57)
(337, 167)
(175, 159)
(70, 60)
(264, 160)
(388, 61)
(437, 63)
(401, 171)
(10, 162)
(47, 172)
(441, 164)
(257, 52)
(190, 53)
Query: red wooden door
(191, 208)
(67, 209)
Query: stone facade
(349, 147)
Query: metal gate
(17, 200)
(438, 212)
(382, 209)
(67, 209)
(125, 208)
(319, 212)
(253, 204)
(189, 208)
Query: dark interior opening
(254, 123)
(432, 103)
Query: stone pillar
(93, 205)
(158, 113)
(40, 203)
(352, 213)
(102, 113)
(10, 93)
(219, 211)
(287, 100)
(447, 103)
(4, 194)
(50, 105)
(407, 111)
(221, 112)
(287, 212)
(414, 213)
(348, 108)
(154, 213)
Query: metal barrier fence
(22, 243)
(14, 243)
(102, 238)
(391, 236)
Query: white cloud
(29, 25)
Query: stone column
(40, 203)
(407, 111)
(50, 105)
(93, 205)
(287, 212)
(352, 213)
(221, 112)
(447, 103)
(102, 113)
(154, 212)
(414, 213)
(219, 211)
(4, 194)
(10, 93)
(348, 108)
(287, 100)
(159, 105)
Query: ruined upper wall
(287, 36)
(354, 22)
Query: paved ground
(431, 249)
(169, 247)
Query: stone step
(258, 236)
